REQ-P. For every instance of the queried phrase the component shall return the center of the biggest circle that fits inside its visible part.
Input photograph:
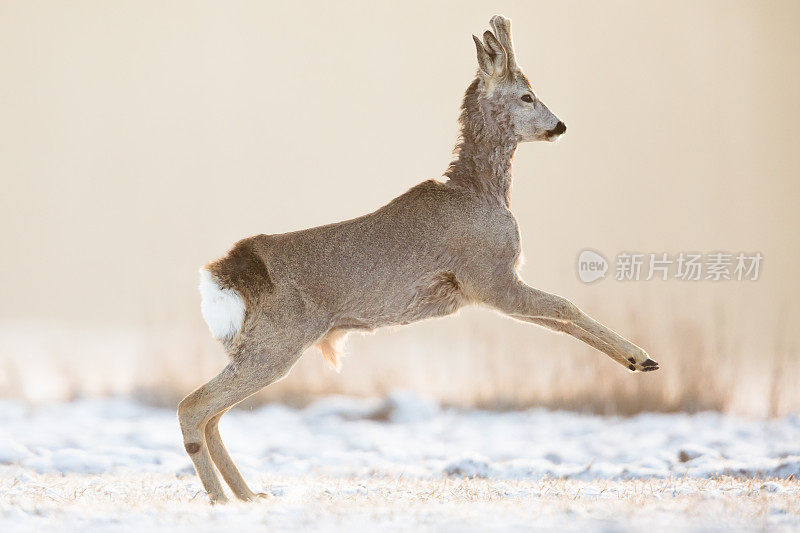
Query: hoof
(647, 366)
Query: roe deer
(436, 248)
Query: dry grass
(482, 360)
(167, 502)
(475, 360)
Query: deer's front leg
(522, 302)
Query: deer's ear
(498, 53)
(484, 59)
(502, 30)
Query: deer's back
(398, 264)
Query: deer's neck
(484, 167)
(485, 148)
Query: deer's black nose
(559, 129)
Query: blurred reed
(475, 360)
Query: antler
(502, 30)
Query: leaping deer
(438, 247)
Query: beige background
(139, 140)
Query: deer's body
(430, 251)
(371, 272)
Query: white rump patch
(222, 309)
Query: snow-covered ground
(399, 463)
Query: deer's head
(506, 99)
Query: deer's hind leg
(224, 462)
(200, 411)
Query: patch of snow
(771, 486)
(470, 467)
(404, 435)
(12, 451)
(407, 407)
(399, 463)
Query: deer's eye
(527, 98)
